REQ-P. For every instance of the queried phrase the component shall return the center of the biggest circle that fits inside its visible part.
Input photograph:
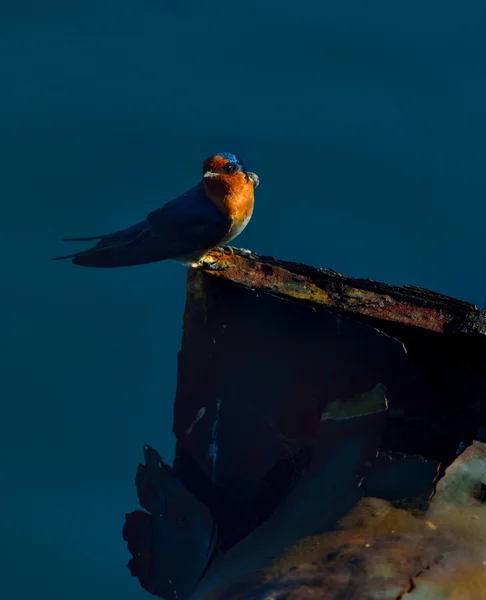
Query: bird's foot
(224, 250)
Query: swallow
(207, 216)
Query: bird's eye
(230, 168)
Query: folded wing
(183, 226)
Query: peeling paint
(363, 404)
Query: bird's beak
(253, 177)
(209, 174)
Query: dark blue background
(366, 124)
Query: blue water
(366, 124)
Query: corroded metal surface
(407, 305)
(314, 417)
(256, 374)
(373, 551)
(328, 489)
(383, 553)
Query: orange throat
(233, 194)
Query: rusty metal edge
(406, 305)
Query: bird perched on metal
(207, 216)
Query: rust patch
(406, 305)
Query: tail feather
(93, 238)
(75, 255)
(84, 239)
(134, 245)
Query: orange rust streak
(357, 540)
(278, 280)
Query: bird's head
(227, 182)
(223, 164)
(226, 168)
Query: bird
(185, 229)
